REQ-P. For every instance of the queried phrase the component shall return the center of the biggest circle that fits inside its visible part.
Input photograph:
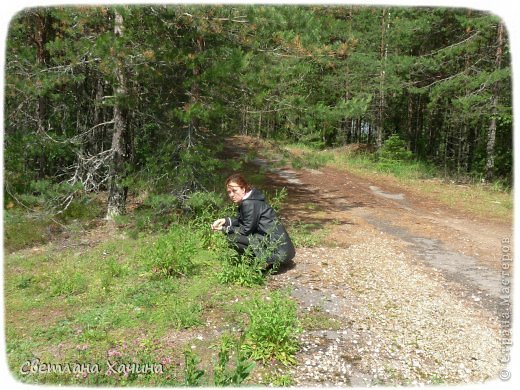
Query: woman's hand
(218, 224)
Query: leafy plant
(224, 376)
(22, 229)
(173, 253)
(179, 313)
(277, 199)
(192, 374)
(273, 329)
(243, 270)
(204, 204)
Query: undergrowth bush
(156, 213)
(204, 204)
(36, 216)
(393, 151)
(277, 198)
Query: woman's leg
(239, 242)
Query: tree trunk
(490, 149)
(381, 107)
(41, 37)
(417, 125)
(97, 136)
(42, 24)
(117, 191)
(194, 122)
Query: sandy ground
(414, 288)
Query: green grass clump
(22, 229)
(273, 329)
(173, 254)
(312, 159)
(245, 270)
(226, 374)
(317, 320)
(306, 235)
(68, 282)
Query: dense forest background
(118, 98)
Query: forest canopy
(101, 98)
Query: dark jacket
(266, 233)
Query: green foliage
(273, 328)
(66, 282)
(83, 208)
(24, 281)
(173, 253)
(312, 160)
(63, 200)
(29, 158)
(279, 380)
(305, 235)
(394, 149)
(393, 156)
(36, 215)
(223, 375)
(242, 270)
(196, 169)
(178, 313)
(192, 374)
(250, 155)
(204, 207)
(235, 376)
(113, 270)
(22, 229)
(157, 213)
(277, 199)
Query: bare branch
(91, 170)
(451, 46)
(81, 135)
(234, 20)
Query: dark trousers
(239, 242)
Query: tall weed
(224, 373)
(273, 328)
(236, 375)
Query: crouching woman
(256, 226)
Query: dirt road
(406, 290)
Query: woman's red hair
(239, 180)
